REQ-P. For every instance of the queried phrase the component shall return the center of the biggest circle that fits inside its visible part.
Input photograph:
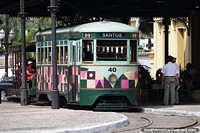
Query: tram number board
(87, 35)
(135, 35)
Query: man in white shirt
(169, 79)
(177, 85)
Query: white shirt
(170, 69)
(178, 69)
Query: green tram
(96, 65)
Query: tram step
(112, 104)
(116, 106)
(111, 109)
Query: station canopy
(104, 8)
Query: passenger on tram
(17, 75)
(63, 57)
(30, 73)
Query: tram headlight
(112, 78)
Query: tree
(146, 27)
(33, 25)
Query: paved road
(157, 121)
(15, 118)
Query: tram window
(39, 53)
(62, 56)
(133, 50)
(44, 55)
(88, 50)
(58, 55)
(49, 55)
(109, 50)
(65, 50)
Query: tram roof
(104, 26)
(101, 26)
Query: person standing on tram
(169, 79)
(30, 73)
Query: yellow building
(179, 43)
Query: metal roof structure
(104, 8)
(30, 47)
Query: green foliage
(145, 27)
(31, 55)
(43, 23)
(33, 25)
(2, 50)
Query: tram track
(150, 123)
(193, 124)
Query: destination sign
(111, 35)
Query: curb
(98, 128)
(171, 112)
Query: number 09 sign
(87, 35)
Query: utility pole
(24, 91)
(53, 8)
(6, 44)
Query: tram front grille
(112, 103)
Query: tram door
(73, 74)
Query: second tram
(96, 65)
(17, 71)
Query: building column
(195, 39)
(166, 24)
